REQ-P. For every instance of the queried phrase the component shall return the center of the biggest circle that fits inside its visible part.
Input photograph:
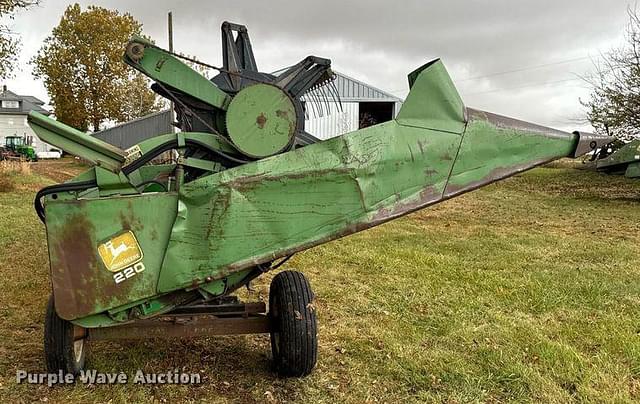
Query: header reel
(258, 114)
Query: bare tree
(614, 106)
(9, 40)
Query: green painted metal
(220, 287)
(261, 120)
(81, 284)
(434, 103)
(209, 235)
(287, 203)
(621, 158)
(167, 69)
(77, 143)
(491, 151)
(633, 170)
(209, 139)
(110, 159)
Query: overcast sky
(379, 42)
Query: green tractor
(16, 147)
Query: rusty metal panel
(83, 283)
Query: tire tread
(58, 343)
(297, 352)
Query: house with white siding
(14, 109)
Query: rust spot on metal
(426, 197)
(421, 146)
(160, 63)
(506, 122)
(282, 114)
(124, 222)
(186, 326)
(261, 120)
(72, 265)
(128, 221)
(81, 284)
(218, 208)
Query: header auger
(132, 243)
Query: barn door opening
(373, 113)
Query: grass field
(526, 290)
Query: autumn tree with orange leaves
(82, 69)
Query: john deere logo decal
(121, 251)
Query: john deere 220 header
(145, 250)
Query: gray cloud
(380, 42)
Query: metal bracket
(181, 139)
(206, 165)
(237, 54)
(193, 321)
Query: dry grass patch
(9, 170)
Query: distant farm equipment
(620, 158)
(16, 148)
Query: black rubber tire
(59, 344)
(294, 336)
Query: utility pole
(170, 25)
(170, 28)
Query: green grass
(527, 290)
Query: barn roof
(351, 89)
(26, 103)
(354, 90)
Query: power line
(522, 69)
(538, 84)
(544, 83)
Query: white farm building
(362, 105)
(14, 109)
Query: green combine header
(141, 250)
(625, 161)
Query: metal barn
(133, 132)
(362, 105)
